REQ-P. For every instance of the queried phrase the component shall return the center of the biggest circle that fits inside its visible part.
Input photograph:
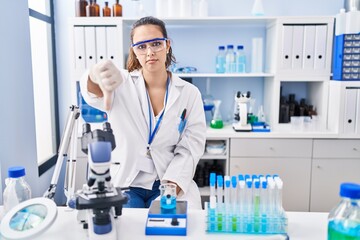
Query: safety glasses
(155, 44)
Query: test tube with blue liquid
(220, 211)
(227, 201)
(212, 205)
(234, 209)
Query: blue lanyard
(152, 134)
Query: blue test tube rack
(257, 209)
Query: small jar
(106, 10)
(117, 9)
(80, 8)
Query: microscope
(99, 202)
(241, 117)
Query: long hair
(132, 61)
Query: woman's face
(150, 60)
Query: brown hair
(132, 61)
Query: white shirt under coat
(174, 156)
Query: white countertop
(131, 225)
(228, 132)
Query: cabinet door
(295, 173)
(327, 175)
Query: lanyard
(152, 134)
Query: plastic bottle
(117, 9)
(106, 10)
(230, 59)
(344, 219)
(352, 21)
(220, 60)
(340, 22)
(17, 190)
(240, 59)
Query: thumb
(108, 97)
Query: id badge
(145, 163)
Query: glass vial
(97, 9)
(90, 9)
(80, 8)
(220, 60)
(117, 9)
(106, 10)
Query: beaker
(217, 121)
(168, 195)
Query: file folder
(79, 50)
(297, 47)
(286, 54)
(320, 46)
(100, 44)
(357, 117)
(90, 46)
(309, 47)
(350, 110)
(111, 45)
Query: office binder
(100, 44)
(90, 46)
(297, 47)
(111, 43)
(320, 46)
(286, 54)
(309, 47)
(350, 110)
(357, 116)
(79, 49)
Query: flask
(230, 59)
(217, 121)
(117, 9)
(220, 60)
(240, 60)
(344, 219)
(80, 8)
(17, 190)
(257, 9)
(106, 10)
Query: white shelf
(224, 75)
(208, 156)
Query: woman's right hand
(106, 75)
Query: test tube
(271, 203)
(256, 204)
(234, 203)
(220, 184)
(227, 202)
(212, 190)
(263, 205)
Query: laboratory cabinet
(195, 43)
(334, 161)
(289, 158)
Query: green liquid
(219, 220)
(257, 214)
(336, 231)
(216, 124)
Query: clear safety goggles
(155, 44)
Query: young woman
(157, 118)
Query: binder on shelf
(309, 47)
(111, 43)
(350, 110)
(79, 49)
(90, 46)
(286, 54)
(320, 46)
(100, 34)
(297, 47)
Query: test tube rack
(251, 205)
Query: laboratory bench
(131, 225)
(311, 164)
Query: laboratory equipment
(106, 10)
(344, 219)
(80, 8)
(17, 189)
(240, 59)
(117, 9)
(217, 121)
(248, 207)
(167, 216)
(99, 201)
(28, 219)
(258, 8)
(220, 60)
(230, 65)
(242, 99)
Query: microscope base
(242, 128)
(167, 222)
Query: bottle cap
(221, 47)
(16, 172)
(350, 190)
(240, 47)
(230, 46)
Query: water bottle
(230, 59)
(240, 59)
(220, 60)
(344, 219)
(17, 190)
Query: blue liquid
(220, 64)
(168, 202)
(337, 230)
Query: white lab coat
(175, 156)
